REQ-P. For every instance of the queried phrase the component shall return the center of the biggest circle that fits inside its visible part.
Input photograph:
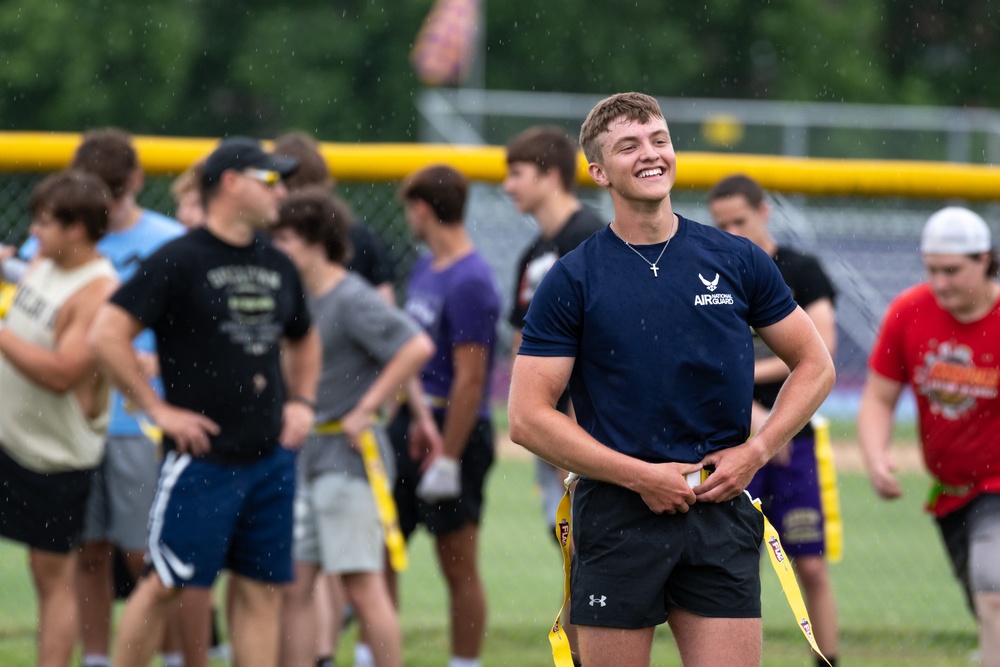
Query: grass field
(898, 602)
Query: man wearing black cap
(224, 305)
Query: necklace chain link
(652, 265)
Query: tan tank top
(42, 430)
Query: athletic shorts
(790, 497)
(337, 524)
(971, 535)
(450, 515)
(631, 565)
(208, 516)
(122, 493)
(42, 510)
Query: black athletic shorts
(450, 515)
(631, 565)
(42, 510)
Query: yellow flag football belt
(379, 481)
(561, 654)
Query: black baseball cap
(239, 153)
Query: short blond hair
(633, 106)
(188, 181)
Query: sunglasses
(265, 176)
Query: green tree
(339, 68)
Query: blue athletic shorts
(790, 498)
(208, 516)
(632, 565)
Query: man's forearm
(304, 359)
(461, 416)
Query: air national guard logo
(711, 298)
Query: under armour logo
(710, 284)
(594, 600)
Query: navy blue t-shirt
(664, 365)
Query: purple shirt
(457, 305)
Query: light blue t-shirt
(125, 249)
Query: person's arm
(822, 314)
(111, 339)
(875, 422)
(68, 363)
(303, 359)
(404, 364)
(388, 292)
(795, 340)
(536, 424)
(470, 361)
(424, 437)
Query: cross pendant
(655, 270)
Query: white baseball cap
(955, 231)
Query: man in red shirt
(942, 338)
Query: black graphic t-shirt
(539, 257)
(809, 283)
(219, 313)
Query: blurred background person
(122, 490)
(452, 294)
(240, 364)
(541, 181)
(186, 191)
(370, 257)
(942, 339)
(370, 349)
(55, 405)
(788, 486)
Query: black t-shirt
(371, 257)
(805, 277)
(543, 253)
(219, 314)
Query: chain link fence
(868, 246)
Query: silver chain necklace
(652, 265)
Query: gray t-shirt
(360, 333)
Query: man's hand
(425, 442)
(442, 481)
(355, 422)
(734, 468)
(296, 424)
(190, 431)
(665, 490)
(881, 472)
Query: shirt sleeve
(146, 295)
(887, 357)
(379, 328)
(552, 326)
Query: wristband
(304, 401)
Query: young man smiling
(661, 381)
